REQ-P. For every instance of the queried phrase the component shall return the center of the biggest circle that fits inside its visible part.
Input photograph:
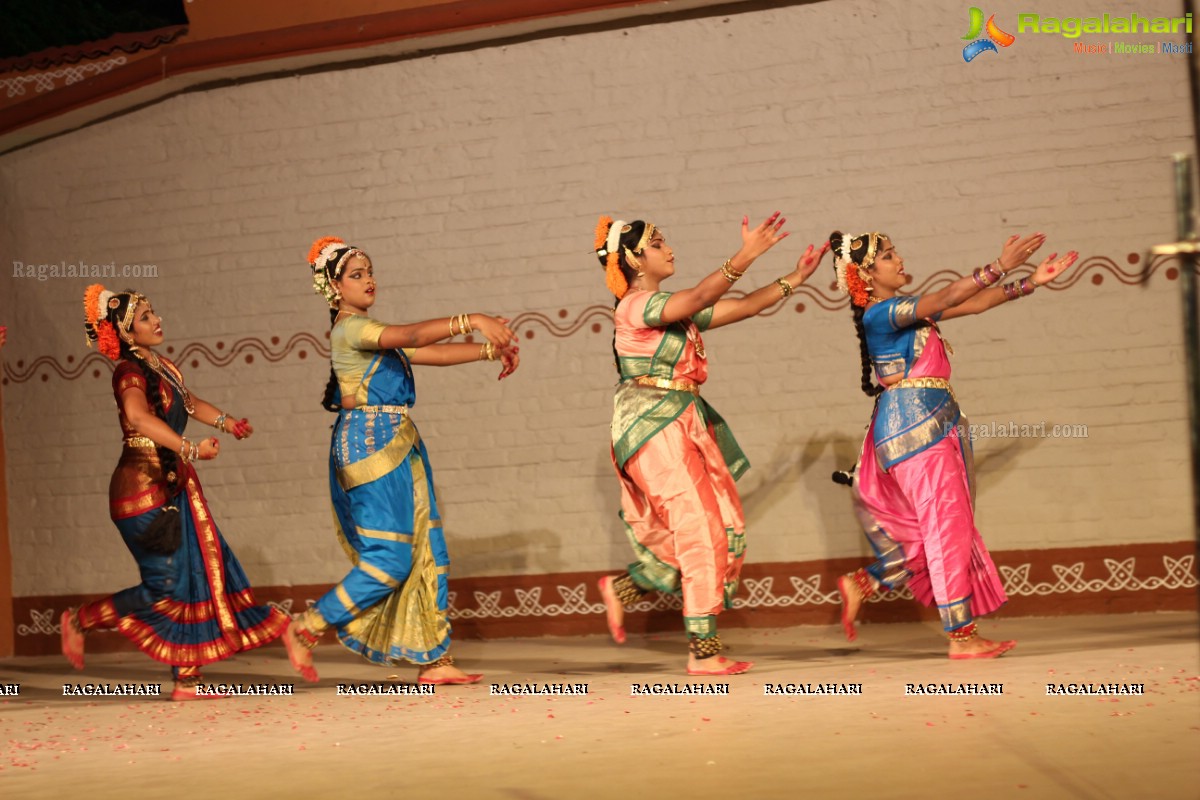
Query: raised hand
(761, 238)
(1052, 269)
(807, 264)
(494, 329)
(1018, 249)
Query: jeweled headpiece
(327, 258)
(855, 282)
(104, 322)
(607, 245)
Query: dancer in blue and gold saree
(392, 605)
(194, 605)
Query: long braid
(332, 401)
(628, 239)
(870, 389)
(165, 532)
(629, 276)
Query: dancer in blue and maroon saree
(194, 605)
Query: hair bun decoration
(602, 233)
(96, 304)
(851, 276)
(607, 245)
(314, 252)
(318, 260)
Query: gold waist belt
(140, 441)
(924, 383)
(663, 383)
(382, 409)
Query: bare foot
(72, 639)
(717, 665)
(298, 653)
(447, 674)
(979, 647)
(851, 602)
(613, 609)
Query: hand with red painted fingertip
(1018, 249)
(494, 329)
(242, 429)
(1053, 267)
(758, 240)
(510, 357)
(210, 448)
(806, 265)
(3, 335)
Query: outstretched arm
(209, 414)
(727, 312)
(1047, 271)
(423, 334)
(1015, 251)
(449, 355)
(683, 304)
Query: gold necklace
(171, 376)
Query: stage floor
(466, 742)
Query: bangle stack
(220, 423)
(460, 324)
(487, 351)
(1017, 290)
(988, 275)
(189, 451)
(785, 287)
(729, 273)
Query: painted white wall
(474, 179)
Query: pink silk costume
(915, 485)
(677, 462)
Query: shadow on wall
(528, 552)
(808, 464)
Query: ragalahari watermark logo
(994, 37)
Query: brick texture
(474, 179)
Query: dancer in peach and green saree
(675, 456)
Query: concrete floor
(464, 742)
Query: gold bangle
(785, 287)
(487, 350)
(729, 273)
(220, 423)
(466, 325)
(452, 333)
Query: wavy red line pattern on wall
(1095, 270)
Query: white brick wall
(474, 180)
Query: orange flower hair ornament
(319, 254)
(607, 245)
(96, 302)
(852, 276)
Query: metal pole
(1191, 324)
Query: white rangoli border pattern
(45, 81)
(1180, 573)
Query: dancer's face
(887, 273)
(147, 326)
(657, 258)
(357, 285)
